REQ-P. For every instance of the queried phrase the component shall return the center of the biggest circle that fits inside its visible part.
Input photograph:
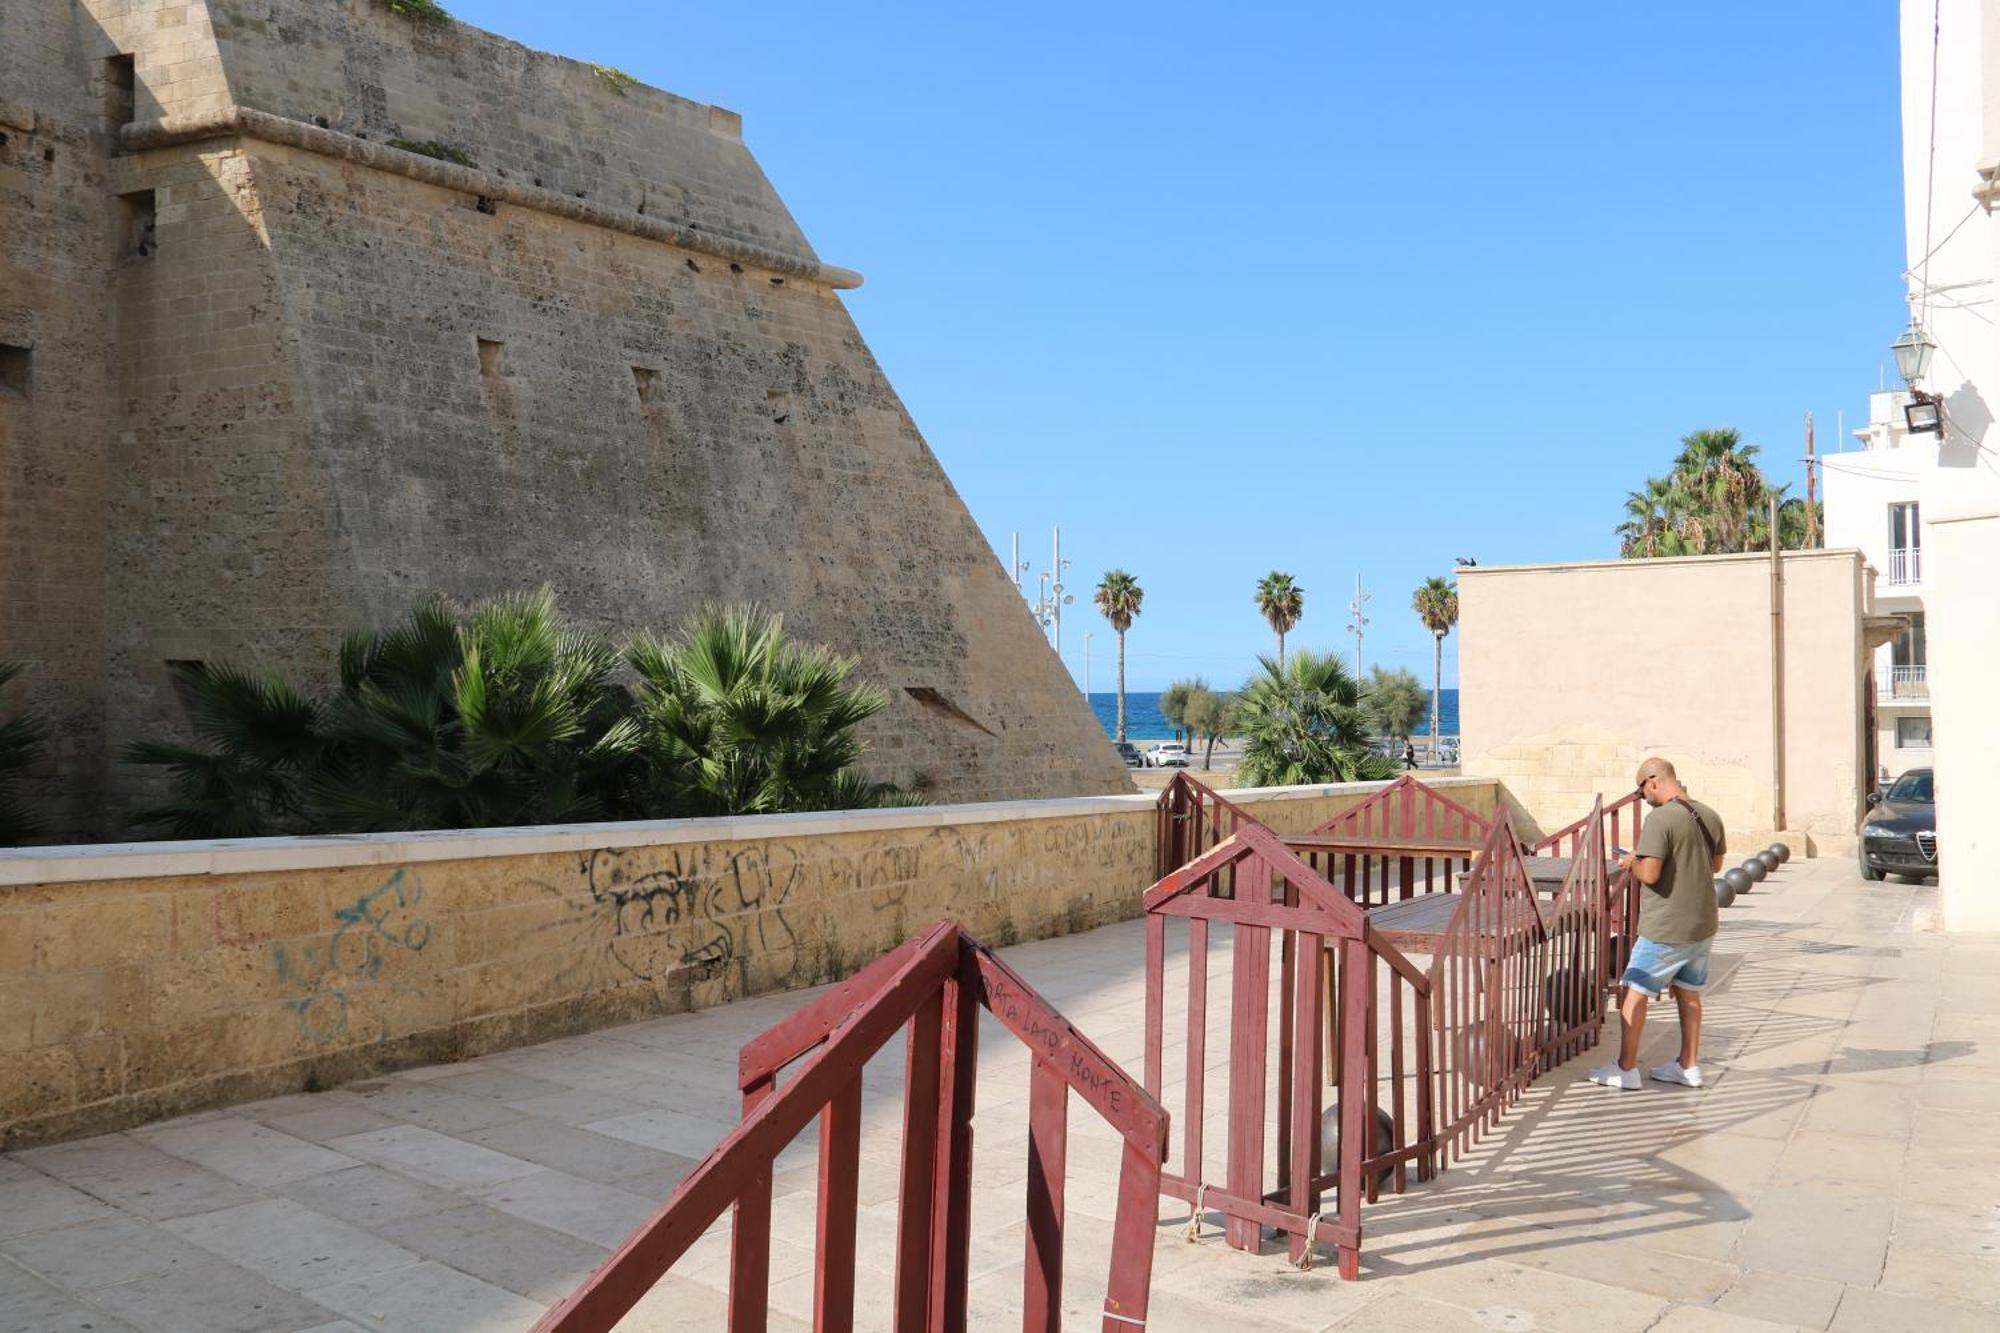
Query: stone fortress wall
(286, 378)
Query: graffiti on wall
(385, 921)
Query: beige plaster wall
(143, 981)
(1570, 674)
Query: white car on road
(1167, 754)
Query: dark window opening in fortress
(120, 92)
(647, 382)
(138, 224)
(936, 702)
(780, 404)
(14, 366)
(490, 363)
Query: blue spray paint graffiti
(374, 926)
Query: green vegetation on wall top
(428, 13)
(614, 78)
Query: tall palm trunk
(1437, 687)
(1281, 650)
(1121, 684)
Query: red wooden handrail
(1192, 817)
(1508, 994)
(934, 985)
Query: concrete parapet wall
(143, 981)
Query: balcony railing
(1905, 566)
(1906, 683)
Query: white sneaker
(1671, 1072)
(1611, 1076)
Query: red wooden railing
(1192, 817)
(1618, 828)
(1510, 991)
(1407, 808)
(1406, 839)
(1274, 892)
(934, 986)
(1514, 987)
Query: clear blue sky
(1321, 288)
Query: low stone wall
(143, 981)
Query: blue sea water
(1144, 723)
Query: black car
(1900, 834)
(1130, 754)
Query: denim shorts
(1654, 966)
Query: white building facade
(1951, 187)
(1874, 503)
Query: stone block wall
(142, 982)
(288, 380)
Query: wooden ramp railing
(1511, 990)
(1618, 828)
(1191, 818)
(933, 986)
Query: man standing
(1680, 850)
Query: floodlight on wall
(1923, 416)
(1913, 354)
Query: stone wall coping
(24, 866)
(248, 122)
(1842, 553)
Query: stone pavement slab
(1836, 1173)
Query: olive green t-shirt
(1680, 909)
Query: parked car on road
(1899, 836)
(1130, 754)
(1168, 754)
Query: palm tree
(1118, 597)
(21, 742)
(1652, 520)
(1282, 602)
(1394, 701)
(1436, 604)
(736, 719)
(1722, 487)
(1302, 722)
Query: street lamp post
(1925, 411)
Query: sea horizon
(1143, 721)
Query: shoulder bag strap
(1700, 827)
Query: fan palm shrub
(256, 748)
(734, 718)
(500, 716)
(23, 737)
(1302, 722)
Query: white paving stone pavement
(1841, 1172)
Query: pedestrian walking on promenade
(1680, 850)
